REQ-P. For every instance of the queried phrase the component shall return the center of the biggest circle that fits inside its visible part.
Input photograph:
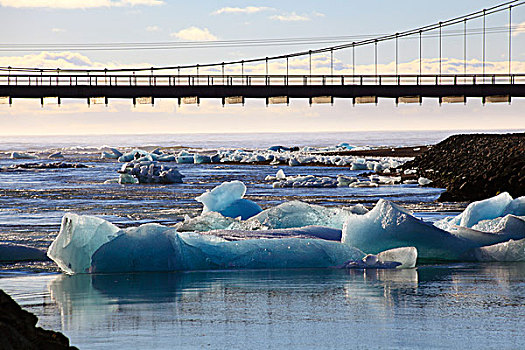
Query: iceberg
(475, 212)
(389, 226)
(79, 237)
(227, 199)
(91, 245)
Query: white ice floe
(23, 155)
(228, 200)
(423, 181)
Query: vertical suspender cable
(484, 34)
(332, 62)
(310, 65)
(375, 59)
(397, 58)
(510, 40)
(353, 62)
(287, 70)
(266, 66)
(440, 39)
(420, 53)
(465, 47)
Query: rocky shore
(18, 329)
(475, 166)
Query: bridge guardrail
(255, 80)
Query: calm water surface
(441, 307)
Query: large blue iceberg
(88, 244)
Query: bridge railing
(255, 80)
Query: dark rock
(475, 167)
(18, 329)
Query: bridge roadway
(109, 87)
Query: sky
(40, 23)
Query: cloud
(194, 34)
(58, 30)
(63, 60)
(520, 28)
(291, 17)
(77, 4)
(243, 10)
(153, 29)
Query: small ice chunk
(280, 174)
(23, 155)
(423, 181)
(293, 162)
(227, 199)
(407, 256)
(398, 258)
(56, 155)
(125, 179)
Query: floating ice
(423, 181)
(127, 179)
(486, 209)
(201, 159)
(345, 181)
(14, 253)
(114, 154)
(299, 214)
(89, 244)
(398, 258)
(78, 239)
(305, 181)
(23, 155)
(510, 251)
(56, 155)
(227, 200)
(156, 248)
(292, 214)
(389, 226)
(148, 172)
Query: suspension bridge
(233, 83)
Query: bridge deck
(62, 86)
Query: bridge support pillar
(497, 99)
(365, 100)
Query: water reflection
(295, 308)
